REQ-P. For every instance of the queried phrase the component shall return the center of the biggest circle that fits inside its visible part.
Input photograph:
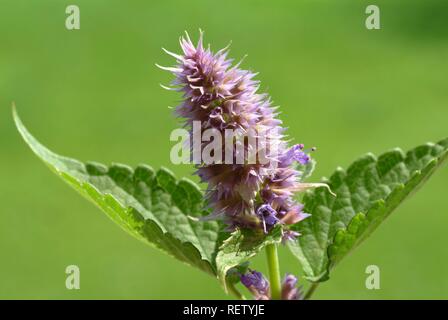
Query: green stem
(274, 272)
(231, 288)
(311, 290)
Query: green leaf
(240, 247)
(367, 193)
(152, 206)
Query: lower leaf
(152, 206)
(366, 194)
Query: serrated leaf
(241, 246)
(367, 193)
(152, 206)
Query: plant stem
(235, 292)
(311, 290)
(274, 272)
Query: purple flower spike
(295, 215)
(257, 284)
(289, 235)
(268, 216)
(297, 153)
(289, 289)
(221, 96)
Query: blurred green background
(94, 94)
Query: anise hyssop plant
(253, 178)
